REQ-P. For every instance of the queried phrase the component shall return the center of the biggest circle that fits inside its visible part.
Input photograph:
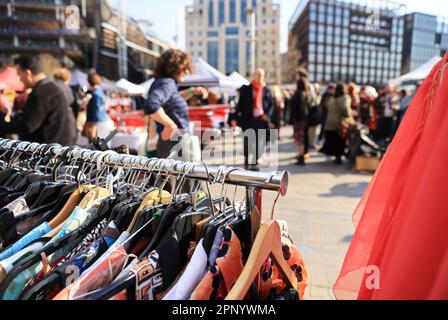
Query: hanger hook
(208, 188)
(275, 203)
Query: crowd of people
(48, 110)
(336, 109)
(321, 115)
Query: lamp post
(122, 47)
(252, 38)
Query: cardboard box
(369, 164)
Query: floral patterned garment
(271, 280)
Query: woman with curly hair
(165, 104)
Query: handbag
(90, 130)
(345, 126)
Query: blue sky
(168, 15)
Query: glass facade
(243, 11)
(211, 13)
(232, 31)
(341, 45)
(232, 13)
(422, 33)
(212, 53)
(221, 12)
(232, 55)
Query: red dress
(400, 248)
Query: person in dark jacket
(323, 106)
(300, 105)
(254, 112)
(47, 116)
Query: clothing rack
(254, 181)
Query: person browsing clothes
(47, 116)
(166, 105)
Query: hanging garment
(399, 250)
(191, 277)
(223, 274)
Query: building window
(232, 11)
(221, 12)
(243, 11)
(212, 53)
(211, 34)
(232, 55)
(232, 31)
(211, 13)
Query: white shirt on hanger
(194, 273)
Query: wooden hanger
(267, 244)
(79, 199)
(152, 199)
(70, 205)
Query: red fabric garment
(258, 90)
(400, 244)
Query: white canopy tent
(239, 79)
(109, 85)
(147, 85)
(79, 78)
(416, 75)
(129, 87)
(207, 76)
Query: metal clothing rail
(276, 181)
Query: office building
(125, 47)
(358, 41)
(219, 32)
(425, 36)
(90, 33)
(44, 26)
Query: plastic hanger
(267, 244)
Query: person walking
(365, 108)
(323, 106)
(254, 112)
(300, 104)
(63, 77)
(279, 107)
(314, 119)
(166, 105)
(353, 93)
(405, 102)
(97, 122)
(384, 105)
(47, 116)
(339, 115)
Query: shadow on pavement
(352, 190)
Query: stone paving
(318, 208)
